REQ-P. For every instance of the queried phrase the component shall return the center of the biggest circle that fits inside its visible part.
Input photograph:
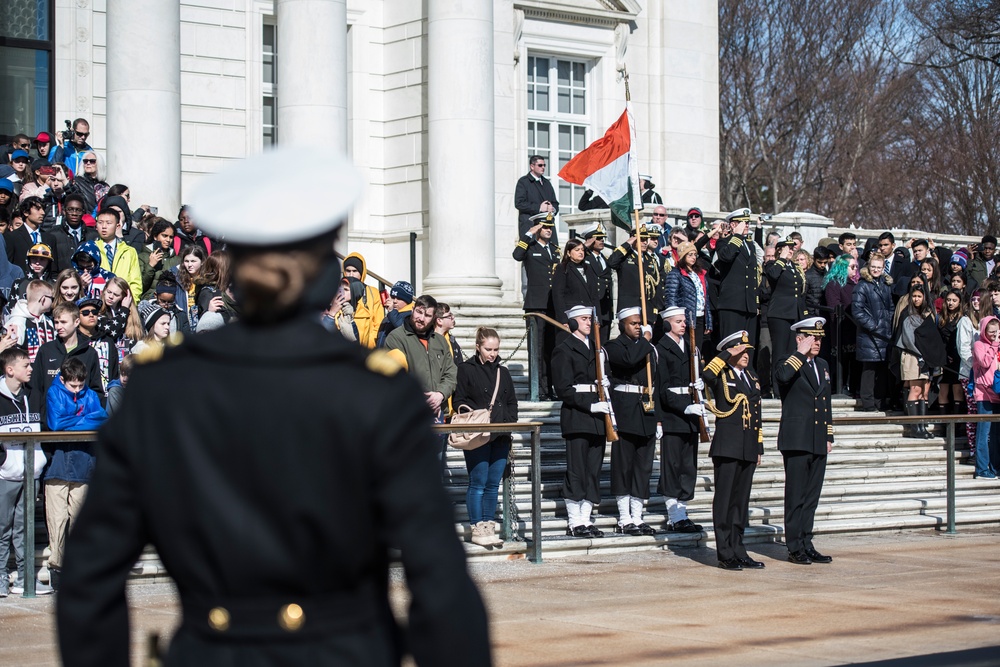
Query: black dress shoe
(799, 558)
(685, 526)
(646, 529)
(628, 529)
(578, 531)
(731, 564)
(817, 557)
(751, 564)
(594, 531)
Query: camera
(67, 134)
(154, 209)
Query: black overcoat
(673, 370)
(575, 363)
(806, 405)
(540, 261)
(739, 276)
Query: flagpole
(648, 405)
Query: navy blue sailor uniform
(739, 278)
(786, 305)
(632, 456)
(540, 261)
(679, 445)
(574, 374)
(806, 428)
(737, 443)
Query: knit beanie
(356, 263)
(150, 320)
(960, 257)
(403, 291)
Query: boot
(911, 430)
(497, 541)
(55, 574)
(922, 411)
(481, 536)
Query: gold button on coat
(291, 617)
(218, 619)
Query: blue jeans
(987, 440)
(485, 465)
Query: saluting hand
(805, 345)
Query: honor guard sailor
(581, 418)
(239, 498)
(679, 415)
(632, 456)
(737, 446)
(805, 437)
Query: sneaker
(4, 586)
(40, 588)
(986, 475)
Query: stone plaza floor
(915, 598)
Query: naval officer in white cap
(239, 497)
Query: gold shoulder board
(383, 363)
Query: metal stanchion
(950, 428)
(534, 354)
(535, 550)
(507, 525)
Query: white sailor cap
(628, 312)
(739, 215)
(673, 310)
(579, 311)
(645, 177)
(231, 205)
(811, 326)
(654, 229)
(732, 340)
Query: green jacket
(433, 367)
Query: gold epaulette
(715, 366)
(154, 351)
(522, 245)
(620, 249)
(384, 363)
(794, 362)
(780, 262)
(737, 240)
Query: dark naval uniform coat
(739, 279)
(572, 285)
(806, 428)
(787, 305)
(679, 451)
(632, 457)
(623, 261)
(273, 505)
(606, 309)
(574, 374)
(736, 444)
(539, 261)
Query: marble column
(461, 137)
(312, 72)
(144, 101)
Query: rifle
(696, 394)
(610, 425)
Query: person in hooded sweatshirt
(70, 405)
(186, 233)
(369, 311)
(29, 322)
(69, 342)
(37, 266)
(20, 411)
(103, 344)
(87, 262)
(985, 353)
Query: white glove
(659, 431)
(647, 329)
(695, 409)
(605, 382)
(601, 407)
(698, 384)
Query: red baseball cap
(43, 138)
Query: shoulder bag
(466, 415)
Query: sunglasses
(89, 161)
(81, 134)
(88, 312)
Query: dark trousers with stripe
(632, 465)
(804, 473)
(731, 505)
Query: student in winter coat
(9, 274)
(71, 231)
(838, 293)
(478, 377)
(873, 309)
(968, 333)
(37, 266)
(108, 357)
(87, 262)
(115, 254)
(158, 256)
(70, 405)
(921, 356)
(69, 342)
(951, 394)
(985, 353)
(369, 311)
(686, 286)
(29, 319)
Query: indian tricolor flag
(610, 168)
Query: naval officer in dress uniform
(679, 415)
(275, 502)
(594, 237)
(737, 445)
(623, 261)
(539, 255)
(739, 278)
(805, 436)
(581, 418)
(632, 456)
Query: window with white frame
(558, 118)
(270, 87)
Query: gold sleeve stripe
(715, 366)
(522, 244)
(736, 240)
(794, 362)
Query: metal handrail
(382, 282)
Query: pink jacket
(984, 362)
